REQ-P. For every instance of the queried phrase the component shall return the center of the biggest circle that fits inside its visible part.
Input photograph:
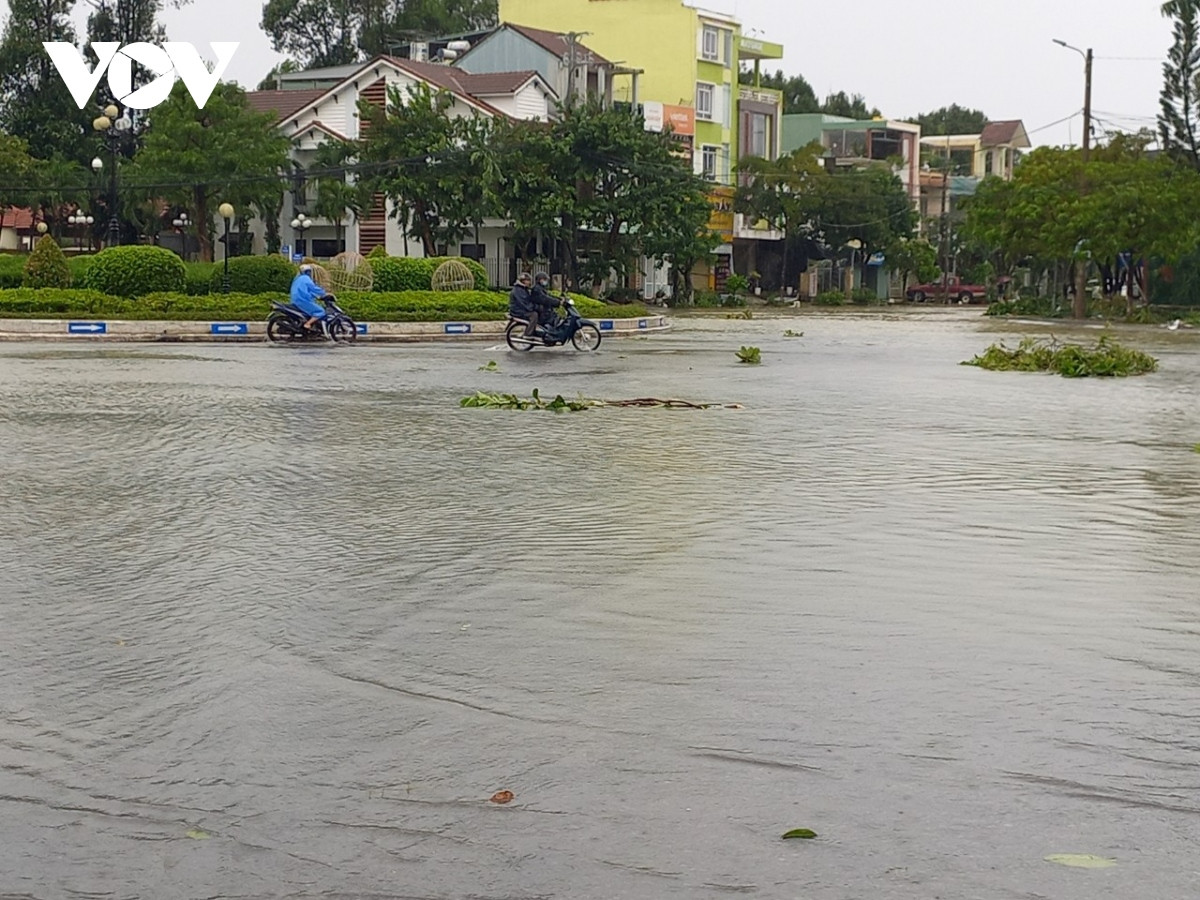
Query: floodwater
(278, 622)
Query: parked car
(953, 289)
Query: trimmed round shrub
(254, 275)
(136, 270)
(46, 266)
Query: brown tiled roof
(461, 82)
(283, 103)
(553, 41)
(17, 217)
(486, 84)
(995, 133)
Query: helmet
(306, 269)
(541, 278)
(524, 278)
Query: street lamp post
(113, 132)
(300, 224)
(80, 218)
(1079, 308)
(226, 210)
(42, 228)
(181, 223)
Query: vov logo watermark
(174, 59)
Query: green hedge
(401, 273)
(254, 275)
(407, 306)
(12, 270)
(198, 277)
(135, 270)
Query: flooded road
(277, 622)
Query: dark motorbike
(584, 334)
(285, 324)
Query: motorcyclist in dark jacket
(546, 304)
(521, 303)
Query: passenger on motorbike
(546, 304)
(522, 305)
(305, 296)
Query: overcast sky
(904, 56)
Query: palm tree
(336, 194)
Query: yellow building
(689, 58)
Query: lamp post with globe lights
(81, 218)
(181, 223)
(113, 131)
(300, 224)
(226, 210)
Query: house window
(988, 162)
(727, 106)
(728, 49)
(758, 144)
(708, 162)
(708, 43)
(704, 101)
(471, 251)
(323, 248)
(726, 160)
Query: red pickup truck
(952, 290)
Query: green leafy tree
(271, 81)
(913, 258)
(952, 119)
(16, 167)
(785, 192)
(427, 181)
(56, 187)
(851, 106)
(34, 101)
(196, 157)
(1180, 99)
(338, 193)
(315, 33)
(869, 205)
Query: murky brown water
(947, 618)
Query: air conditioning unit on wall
(418, 52)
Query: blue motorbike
(285, 324)
(584, 334)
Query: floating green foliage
(750, 355)
(806, 834)
(1081, 860)
(1106, 359)
(197, 835)
(790, 333)
(483, 400)
(491, 366)
(744, 314)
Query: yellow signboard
(720, 221)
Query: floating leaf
(790, 333)
(490, 367)
(1196, 449)
(1081, 860)
(197, 835)
(502, 797)
(804, 833)
(750, 355)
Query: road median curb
(233, 331)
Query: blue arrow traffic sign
(607, 325)
(230, 328)
(361, 327)
(642, 323)
(458, 328)
(87, 328)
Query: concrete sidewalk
(235, 331)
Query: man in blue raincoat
(306, 296)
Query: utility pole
(1079, 307)
(572, 62)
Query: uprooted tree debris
(560, 404)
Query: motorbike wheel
(280, 330)
(343, 331)
(587, 338)
(516, 339)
